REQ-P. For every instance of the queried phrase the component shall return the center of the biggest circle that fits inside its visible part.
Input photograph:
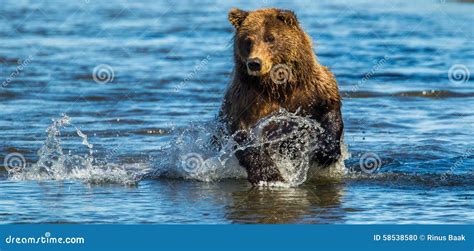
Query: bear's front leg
(328, 143)
(259, 165)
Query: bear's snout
(254, 65)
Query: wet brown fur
(311, 88)
(251, 98)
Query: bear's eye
(247, 43)
(269, 38)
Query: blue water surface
(404, 68)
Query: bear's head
(267, 38)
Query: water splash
(54, 164)
(85, 141)
(191, 155)
(194, 153)
(294, 160)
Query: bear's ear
(288, 17)
(237, 16)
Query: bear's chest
(247, 106)
(257, 110)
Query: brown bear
(276, 68)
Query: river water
(113, 151)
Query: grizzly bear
(276, 68)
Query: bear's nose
(254, 64)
